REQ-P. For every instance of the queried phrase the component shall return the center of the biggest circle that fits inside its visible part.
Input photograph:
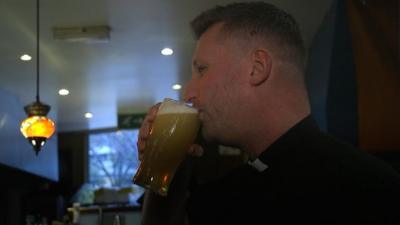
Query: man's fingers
(145, 129)
(153, 112)
(196, 150)
(141, 144)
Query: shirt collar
(258, 165)
(289, 141)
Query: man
(248, 85)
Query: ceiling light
(37, 128)
(88, 34)
(167, 51)
(176, 86)
(88, 115)
(63, 92)
(25, 57)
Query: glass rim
(188, 104)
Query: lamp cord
(37, 51)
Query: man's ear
(262, 64)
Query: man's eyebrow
(197, 63)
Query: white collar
(258, 165)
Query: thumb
(196, 150)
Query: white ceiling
(127, 74)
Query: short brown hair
(256, 19)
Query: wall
(73, 150)
(318, 67)
(353, 75)
(331, 79)
(23, 173)
(22, 193)
(15, 151)
(375, 31)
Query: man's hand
(170, 209)
(145, 129)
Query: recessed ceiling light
(63, 92)
(88, 115)
(167, 51)
(25, 57)
(176, 86)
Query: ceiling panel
(127, 74)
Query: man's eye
(201, 69)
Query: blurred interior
(352, 75)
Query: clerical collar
(258, 165)
(291, 139)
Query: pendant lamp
(37, 128)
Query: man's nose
(189, 93)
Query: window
(113, 161)
(113, 158)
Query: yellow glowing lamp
(37, 128)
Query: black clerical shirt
(306, 177)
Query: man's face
(217, 80)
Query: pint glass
(172, 133)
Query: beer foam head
(170, 106)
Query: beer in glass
(172, 133)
